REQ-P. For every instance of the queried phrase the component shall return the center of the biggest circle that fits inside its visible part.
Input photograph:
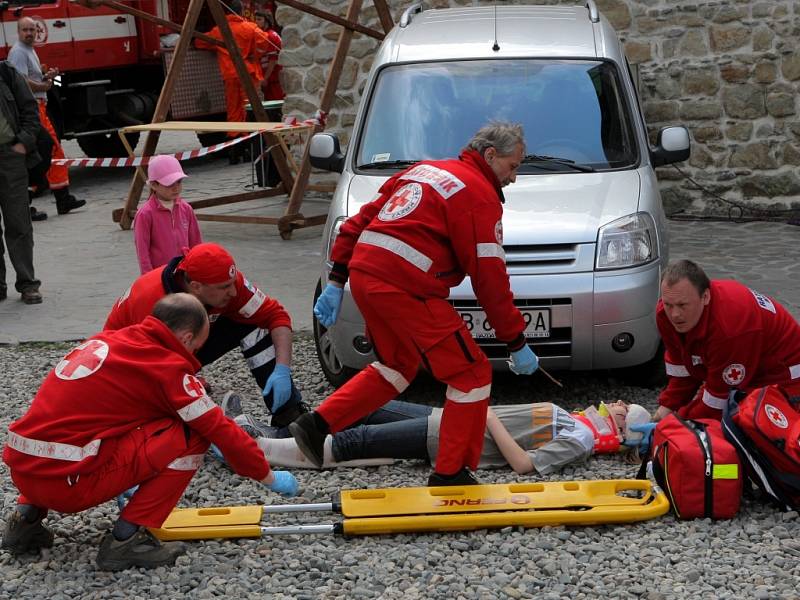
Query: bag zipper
(705, 446)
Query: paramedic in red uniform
(252, 44)
(240, 314)
(124, 409)
(721, 335)
(430, 226)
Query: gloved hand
(328, 305)
(284, 484)
(217, 454)
(646, 429)
(280, 384)
(123, 498)
(523, 361)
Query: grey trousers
(15, 211)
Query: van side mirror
(672, 145)
(325, 153)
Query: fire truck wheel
(106, 145)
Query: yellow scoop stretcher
(425, 509)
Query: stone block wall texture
(729, 70)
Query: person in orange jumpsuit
(252, 43)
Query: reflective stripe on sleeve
(713, 401)
(54, 450)
(396, 378)
(252, 338)
(794, 371)
(251, 307)
(196, 409)
(676, 370)
(191, 462)
(491, 251)
(474, 395)
(262, 358)
(398, 247)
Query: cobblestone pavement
(85, 261)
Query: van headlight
(337, 225)
(627, 242)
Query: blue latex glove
(123, 498)
(646, 429)
(523, 361)
(328, 305)
(217, 454)
(285, 483)
(280, 384)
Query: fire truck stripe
(399, 382)
(474, 395)
(491, 251)
(196, 409)
(54, 450)
(398, 247)
(192, 462)
(676, 370)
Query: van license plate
(537, 323)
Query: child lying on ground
(539, 437)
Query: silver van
(584, 229)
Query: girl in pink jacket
(164, 225)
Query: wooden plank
(238, 219)
(384, 14)
(234, 198)
(247, 127)
(162, 107)
(348, 23)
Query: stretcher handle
(302, 529)
(290, 508)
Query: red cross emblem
(83, 360)
(193, 387)
(733, 374)
(402, 202)
(776, 416)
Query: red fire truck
(113, 66)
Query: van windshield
(570, 109)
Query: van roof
(522, 31)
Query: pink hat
(164, 169)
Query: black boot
(66, 202)
(462, 477)
(38, 215)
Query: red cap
(208, 263)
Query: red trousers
(160, 457)
(406, 330)
(57, 175)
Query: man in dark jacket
(19, 125)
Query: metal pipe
(290, 508)
(298, 529)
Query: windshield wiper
(387, 164)
(533, 158)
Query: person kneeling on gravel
(122, 409)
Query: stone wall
(729, 70)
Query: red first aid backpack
(764, 425)
(696, 467)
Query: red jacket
(251, 41)
(430, 226)
(110, 385)
(743, 340)
(250, 305)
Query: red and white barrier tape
(138, 161)
(319, 118)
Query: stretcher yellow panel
(406, 510)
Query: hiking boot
(70, 203)
(142, 549)
(20, 536)
(288, 415)
(231, 405)
(463, 477)
(308, 437)
(31, 297)
(255, 429)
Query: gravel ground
(753, 556)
